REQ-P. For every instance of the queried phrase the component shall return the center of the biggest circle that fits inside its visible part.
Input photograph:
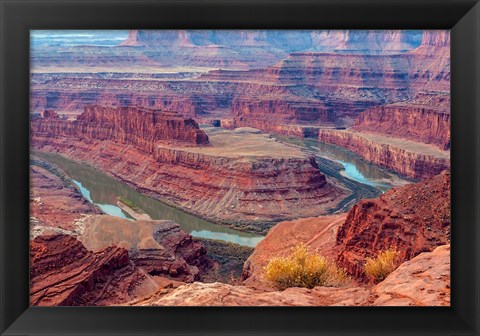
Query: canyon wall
(412, 219)
(238, 189)
(340, 75)
(140, 127)
(56, 204)
(64, 273)
(406, 162)
(281, 115)
(425, 119)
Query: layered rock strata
(56, 205)
(422, 281)
(281, 115)
(408, 158)
(64, 273)
(158, 247)
(139, 127)
(338, 77)
(424, 119)
(411, 219)
(243, 177)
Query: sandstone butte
(422, 281)
(412, 219)
(231, 177)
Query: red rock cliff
(413, 219)
(140, 127)
(64, 273)
(426, 119)
(399, 156)
(235, 189)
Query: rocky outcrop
(56, 205)
(280, 115)
(158, 247)
(319, 233)
(422, 281)
(412, 219)
(140, 127)
(64, 273)
(425, 119)
(242, 178)
(407, 158)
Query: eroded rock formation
(422, 281)
(242, 178)
(412, 219)
(318, 233)
(158, 247)
(425, 119)
(64, 273)
(412, 159)
(56, 205)
(140, 127)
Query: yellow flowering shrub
(379, 267)
(303, 269)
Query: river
(104, 191)
(363, 179)
(355, 168)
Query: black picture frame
(17, 17)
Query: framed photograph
(229, 167)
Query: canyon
(411, 219)
(239, 178)
(408, 158)
(393, 83)
(158, 247)
(336, 139)
(117, 261)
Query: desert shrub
(303, 269)
(379, 267)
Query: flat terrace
(243, 142)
